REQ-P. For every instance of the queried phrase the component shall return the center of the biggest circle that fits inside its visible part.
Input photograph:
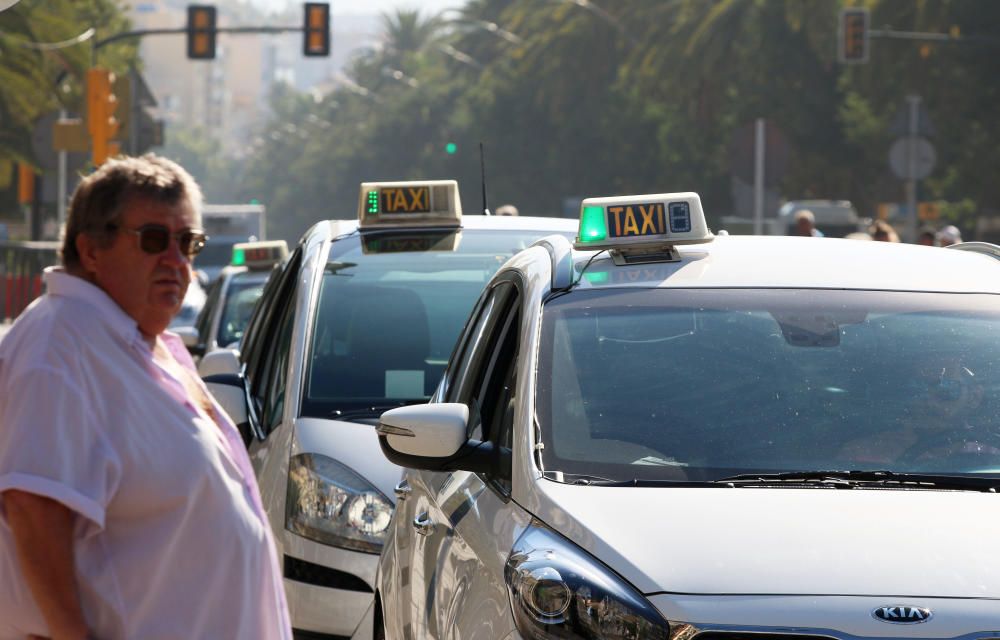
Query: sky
(366, 7)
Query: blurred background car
(232, 296)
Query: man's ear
(87, 248)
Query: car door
(456, 586)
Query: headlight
(331, 504)
(558, 591)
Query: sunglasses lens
(192, 243)
(154, 239)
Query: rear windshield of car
(699, 385)
(390, 308)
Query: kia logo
(902, 614)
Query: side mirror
(229, 392)
(433, 437)
(220, 361)
(426, 430)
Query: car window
(388, 317)
(479, 342)
(273, 400)
(255, 334)
(265, 327)
(241, 297)
(697, 384)
(204, 322)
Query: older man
(128, 506)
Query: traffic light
(201, 32)
(25, 184)
(853, 40)
(102, 105)
(316, 32)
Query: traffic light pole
(139, 33)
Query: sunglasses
(155, 238)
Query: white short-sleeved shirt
(172, 540)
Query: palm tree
(39, 45)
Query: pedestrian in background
(805, 224)
(927, 237)
(882, 231)
(128, 499)
(507, 210)
(949, 235)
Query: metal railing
(21, 266)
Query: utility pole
(758, 177)
(910, 232)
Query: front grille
(302, 571)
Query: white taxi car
(660, 433)
(361, 317)
(231, 298)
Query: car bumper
(329, 590)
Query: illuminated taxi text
(406, 199)
(626, 221)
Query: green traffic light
(451, 148)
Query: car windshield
(704, 384)
(390, 308)
(241, 297)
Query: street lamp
(345, 81)
(484, 25)
(605, 17)
(401, 77)
(459, 56)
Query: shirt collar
(60, 283)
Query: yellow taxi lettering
(418, 197)
(631, 227)
(617, 215)
(647, 211)
(399, 201)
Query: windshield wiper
(853, 479)
(373, 411)
(598, 481)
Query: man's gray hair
(99, 199)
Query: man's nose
(173, 254)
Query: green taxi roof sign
(638, 223)
(423, 203)
(259, 255)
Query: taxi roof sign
(637, 223)
(259, 255)
(422, 203)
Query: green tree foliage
(37, 76)
(576, 98)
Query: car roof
(474, 221)
(806, 263)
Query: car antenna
(482, 166)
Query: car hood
(353, 444)
(784, 540)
